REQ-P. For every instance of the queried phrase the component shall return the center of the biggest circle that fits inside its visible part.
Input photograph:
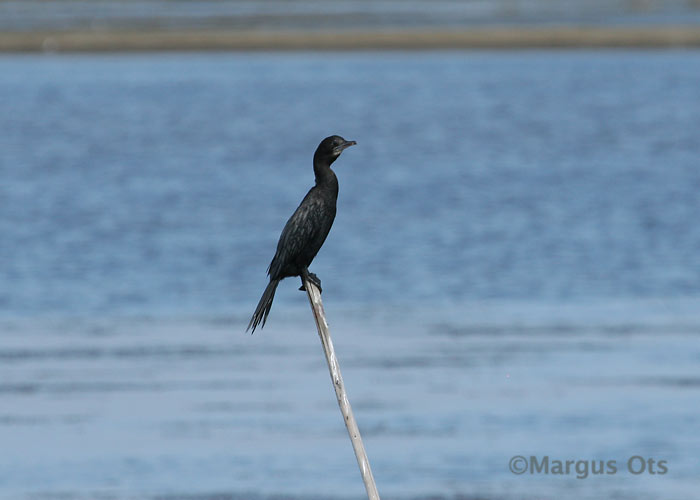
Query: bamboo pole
(362, 461)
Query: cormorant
(306, 229)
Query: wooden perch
(317, 307)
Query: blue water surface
(513, 271)
(160, 183)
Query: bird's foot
(313, 279)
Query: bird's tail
(264, 306)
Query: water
(513, 271)
(141, 184)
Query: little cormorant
(306, 229)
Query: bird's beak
(346, 144)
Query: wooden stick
(320, 316)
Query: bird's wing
(301, 228)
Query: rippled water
(151, 183)
(513, 271)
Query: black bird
(306, 229)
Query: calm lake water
(513, 270)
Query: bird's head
(330, 148)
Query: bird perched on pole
(306, 230)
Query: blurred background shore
(104, 25)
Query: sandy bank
(481, 38)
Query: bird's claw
(313, 279)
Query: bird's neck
(325, 177)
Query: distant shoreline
(236, 40)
